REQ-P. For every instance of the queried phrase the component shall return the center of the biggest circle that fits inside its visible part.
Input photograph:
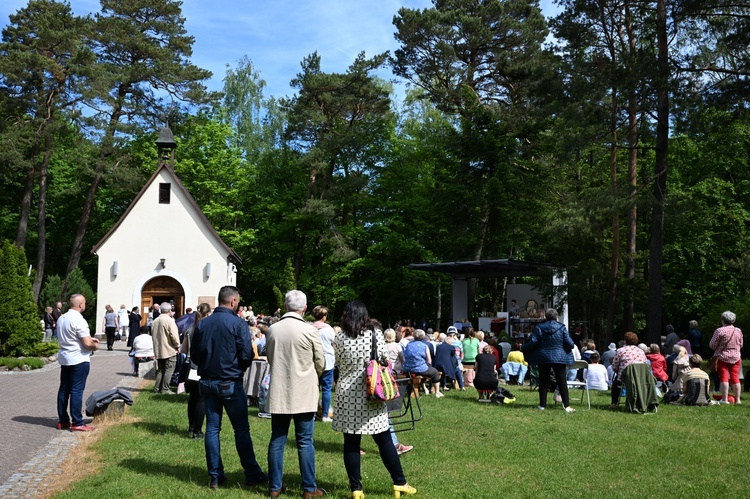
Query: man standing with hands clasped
(76, 347)
(296, 361)
(222, 350)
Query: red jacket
(658, 366)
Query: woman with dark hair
(353, 414)
(551, 347)
(196, 409)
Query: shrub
(12, 362)
(20, 328)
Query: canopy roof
(490, 268)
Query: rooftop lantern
(166, 145)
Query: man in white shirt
(76, 347)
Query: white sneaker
(569, 409)
(725, 402)
(327, 420)
(540, 408)
(739, 402)
(439, 395)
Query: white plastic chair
(579, 364)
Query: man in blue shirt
(222, 350)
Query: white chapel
(163, 248)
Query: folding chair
(401, 409)
(533, 377)
(579, 364)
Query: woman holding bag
(727, 345)
(353, 414)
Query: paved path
(31, 447)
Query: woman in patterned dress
(353, 414)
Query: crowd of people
(306, 358)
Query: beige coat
(166, 337)
(296, 360)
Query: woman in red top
(658, 362)
(727, 344)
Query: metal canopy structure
(490, 268)
(461, 271)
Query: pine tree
(20, 328)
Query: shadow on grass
(187, 473)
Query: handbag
(184, 371)
(380, 384)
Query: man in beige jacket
(166, 345)
(296, 361)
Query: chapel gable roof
(178, 183)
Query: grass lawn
(462, 449)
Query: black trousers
(388, 455)
(561, 374)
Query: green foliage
(50, 293)
(20, 329)
(14, 362)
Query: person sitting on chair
(516, 365)
(417, 361)
(596, 375)
(143, 349)
(629, 354)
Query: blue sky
(277, 34)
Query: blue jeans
(460, 376)
(304, 425)
(231, 397)
(72, 384)
(326, 383)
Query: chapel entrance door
(161, 289)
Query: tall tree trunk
(614, 265)
(41, 250)
(631, 224)
(632, 220)
(655, 298)
(439, 303)
(477, 253)
(23, 220)
(88, 206)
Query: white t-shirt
(596, 377)
(71, 327)
(143, 344)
